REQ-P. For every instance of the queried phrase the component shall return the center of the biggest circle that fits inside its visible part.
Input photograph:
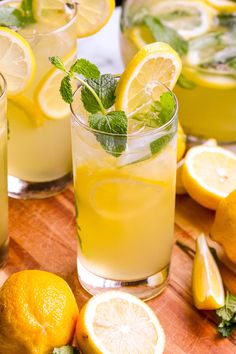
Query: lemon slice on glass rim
(17, 61)
(189, 18)
(47, 93)
(139, 85)
(116, 319)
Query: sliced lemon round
(209, 174)
(115, 319)
(17, 62)
(189, 18)
(207, 286)
(24, 107)
(223, 5)
(93, 15)
(140, 36)
(139, 85)
(47, 93)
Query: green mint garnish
(227, 315)
(157, 145)
(159, 113)
(105, 87)
(227, 20)
(97, 95)
(185, 83)
(68, 349)
(163, 33)
(17, 17)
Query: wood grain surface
(42, 236)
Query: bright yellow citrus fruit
(38, 313)
(115, 320)
(224, 227)
(209, 174)
(180, 189)
(140, 36)
(17, 62)
(223, 5)
(20, 105)
(139, 85)
(207, 286)
(181, 143)
(47, 94)
(93, 15)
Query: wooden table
(43, 237)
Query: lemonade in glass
(3, 174)
(204, 34)
(39, 122)
(124, 204)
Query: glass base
(19, 189)
(145, 289)
(3, 254)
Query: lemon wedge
(189, 18)
(209, 174)
(47, 93)
(93, 15)
(207, 286)
(115, 319)
(139, 85)
(17, 62)
(223, 5)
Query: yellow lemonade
(3, 174)
(124, 204)
(39, 122)
(204, 34)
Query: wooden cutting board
(43, 237)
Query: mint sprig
(97, 95)
(163, 33)
(17, 17)
(227, 315)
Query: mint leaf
(68, 349)
(27, 10)
(227, 315)
(227, 20)
(105, 87)
(115, 122)
(185, 83)
(157, 145)
(58, 63)
(66, 89)
(85, 68)
(10, 17)
(162, 33)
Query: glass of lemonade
(3, 174)
(124, 205)
(206, 89)
(39, 122)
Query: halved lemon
(139, 85)
(189, 18)
(17, 62)
(47, 93)
(207, 286)
(209, 174)
(115, 321)
(93, 15)
(223, 5)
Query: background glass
(40, 160)
(3, 174)
(124, 206)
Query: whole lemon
(38, 312)
(224, 228)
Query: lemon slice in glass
(116, 319)
(47, 93)
(189, 18)
(223, 5)
(209, 174)
(17, 62)
(207, 286)
(139, 85)
(93, 15)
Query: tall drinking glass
(124, 205)
(40, 160)
(3, 174)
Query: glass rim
(136, 134)
(3, 86)
(58, 29)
